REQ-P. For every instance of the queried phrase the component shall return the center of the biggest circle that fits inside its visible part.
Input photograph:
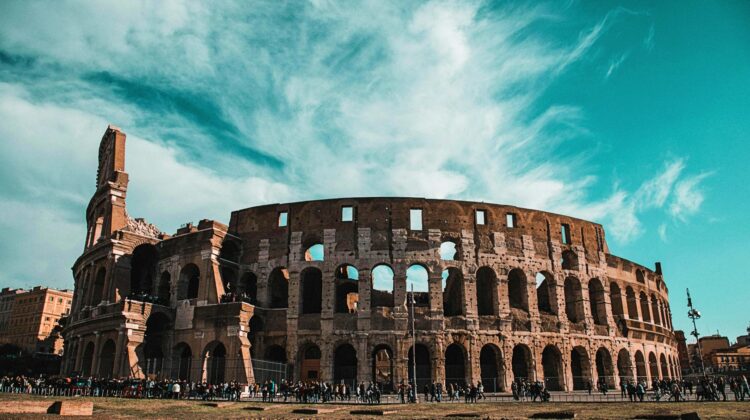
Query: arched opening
(521, 362)
(664, 368)
(604, 369)
(310, 363)
(448, 251)
(640, 277)
(347, 289)
(615, 296)
(278, 288)
(486, 291)
(190, 277)
(87, 360)
(569, 260)
(143, 269)
(580, 367)
(490, 368)
(107, 360)
(632, 303)
(624, 366)
(655, 310)
(97, 294)
(546, 293)
(154, 343)
(653, 366)
(644, 308)
(164, 291)
(229, 279)
(455, 365)
(215, 356)
(382, 367)
(417, 279)
(312, 289)
(315, 252)
(553, 368)
(573, 300)
(229, 260)
(453, 292)
(596, 302)
(249, 288)
(382, 286)
(640, 367)
(345, 365)
(275, 353)
(182, 361)
(230, 251)
(256, 326)
(423, 367)
(517, 291)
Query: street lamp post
(694, 315)
(413, 347)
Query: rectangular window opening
(283, 216)
(481, 217)
(510, 220)
(565, 234)
(347, 214)
(415, 219)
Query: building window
(480, 217)
(510, 220)
(51, 299)
(283, 218)
(415, 219)
(565, 234)
(347, 214)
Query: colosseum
(325, 290)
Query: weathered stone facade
(527, 294)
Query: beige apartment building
(29, 318)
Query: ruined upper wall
(382, 215)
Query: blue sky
(634, 115)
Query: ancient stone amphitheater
(323, 290)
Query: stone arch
(214, 357)
(453, 292)
(645, 313)
(521, 363)
(573, 300)
(347, 289)
(107, 360)
(164, 292)
(639, 276)
(624, 365)
(640, 367)
(455, 364)
(615, 295)
(257, 325)
(655, 310)
(382, 367)
(345, 364)
(449, 250)
(278, 288)
(569, 260)
(486, 291)
(423, 365)
(491, 368)
(382, 286)
(311, 290)
(596, 302)
(632, 303)
(156, 337)
(248, 287)
(182, 361)
(546, 293)
(143, 268)
(653, 366)
(552, 366)
(518, 295)
(580, 367)
(87, 360)
(309, 362)
(315, 252)
(97, 292)
(189, 283)
(418, 278)
(665, 373)
(604, 369)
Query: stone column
(364, 359)
(79, 355)
(95, 358)
(364, 306)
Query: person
(640, 391)
(402, 392)
(745, 389)
(623, 388)
(176, 390)
(480, 390)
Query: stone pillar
(588, 317)
(364, 306)
(95, 358)
(119, 345)
(435, 288)
(326, 362)
(531, 292)
(79, 355)
(470, 298)
(364, 359)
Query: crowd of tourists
(524, 390)
(703, 389)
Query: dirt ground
(108, 408)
